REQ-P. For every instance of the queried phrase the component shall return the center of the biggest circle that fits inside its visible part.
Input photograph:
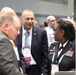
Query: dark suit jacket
(39, 47)
(8, 60)
(68, 61)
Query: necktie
(15, 49)
(27, 46)
(27, 39)
(60, 48)
(56, 58)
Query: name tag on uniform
(52, 51)
(55, 68)
(27, 54)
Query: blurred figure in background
(7, 10)
(35, 23)
(45, 25)
(51, 21)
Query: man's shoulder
(2, 36)
(39, 28)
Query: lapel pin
(34, 33)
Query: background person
(51, 21)
(35, 23)
(45, 25)
(7, 10)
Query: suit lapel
(56, 52)
(20, 38)
(34, 38)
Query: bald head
(26, 11)
(50, 17)
(7, 10)
(51, 21)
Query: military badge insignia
(69, 53)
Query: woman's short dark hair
(68, 28)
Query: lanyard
(59, 59)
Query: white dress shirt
(32, 62)
(15, 50)
(50, 35)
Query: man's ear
(6, 26)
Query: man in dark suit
(9, 29)
(37, 52)
(64, 50)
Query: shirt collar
(24, 31)
(50, 27)
(63, 44)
